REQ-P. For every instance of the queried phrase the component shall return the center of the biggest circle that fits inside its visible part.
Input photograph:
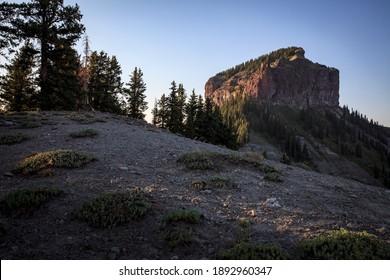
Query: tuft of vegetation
(41, 163)
(205, 161)
(178, 231)
(187, 216)
(250, 251)
(178, 236)
(199, 185)
(29, 123)
(13, 139)
(85, 133)
(243, 222)
(273, 176)
(346, 245)
(84, 118)
(28, 198)
(198, 160)
(113, 209)
(219, 182)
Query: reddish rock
(296, 82)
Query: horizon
(191, 41)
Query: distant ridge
(283, 77)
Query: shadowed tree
(135, 95)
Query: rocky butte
(283, 77)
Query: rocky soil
(133, 154)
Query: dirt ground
(135, 154)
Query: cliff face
(293, 81)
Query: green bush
(26, 198)
(346, 245)
(198, 160)
(188, 216)
(85, 133)
(250, 251)
(40, 163)
(273, 176)
(204, 161)
(178, 236)
(13, 139)
(219, 182)
(113, 209)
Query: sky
(191, 41)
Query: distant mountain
(286, 100)
(283, 77)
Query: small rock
(272, 202)
(62, 221)
(15, 248)
(9, 174)
(175, 258)
(206, 192)
(123, 168)
(115, 250)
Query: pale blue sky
(190, 41)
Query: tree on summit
(135, 95)
(51, 24)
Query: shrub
(346, 245)
(219, 182)
(40, 163)
(113, 209)
(178, 236)
(85, 133)
(27, 198)
(188, 216)
(273, 176)
(198, 160)
(199, 185)
(250, 251)
(13, 139)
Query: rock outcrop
(293, 81)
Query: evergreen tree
(155, 113)
(104, 85)
(49, 22)
(163, 112)
(199, 123)
(135, 95)
(173, 121)
(63, 78)
(190, 111)
(17, 88)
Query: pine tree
(173, 121)
(63, 78)
(155, 113)
(17, 88)
(163, 112)
(199, 123)
(135, 95)
(49, 22)
(104, 85)
(190, 111)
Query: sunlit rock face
(294, 81)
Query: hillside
(286, 100)
(240, 196)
